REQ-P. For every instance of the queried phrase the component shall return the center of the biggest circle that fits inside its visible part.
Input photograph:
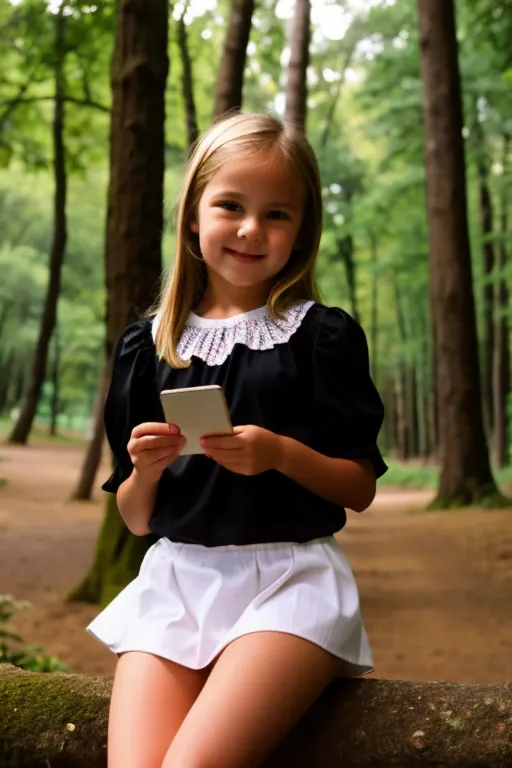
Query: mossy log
(60, 721)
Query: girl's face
(248, 220)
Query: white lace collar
(213, 340)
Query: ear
(194, 226)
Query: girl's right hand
(152, 447)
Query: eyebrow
(274, 204)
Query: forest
(408, 108)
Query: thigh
(150, 699)
(259, 688)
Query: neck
(230, 300)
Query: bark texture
(466, 476)
(61, 720)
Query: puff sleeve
(348, 408)
(132, 398)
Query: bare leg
(150, 699)
(260, 687)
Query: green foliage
(12, 650)
(364, 120)
(418, 475)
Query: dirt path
(436, 588)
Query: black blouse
(306, 377)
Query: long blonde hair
(231, 137)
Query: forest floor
(436, 588)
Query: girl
(245, 608)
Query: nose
(250, 229)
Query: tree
(187, 81)
(466, 476)
(501, 359)
(228, 92)
(94, 450)
(134, 228)
(296, 83)
(21, 429)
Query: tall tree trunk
(346, 251)
(390, 419)
(465, 476)
(28, 410)
(486, 218)
(92, 456)
(134, 231)
(4, 316)
(55, 401)
(374, 328)
(501, 362)
(423, 385)
(402, 385)
(187, 82)
(6, 375)
(401, 416)
(432, 396)
(296, 92)
(228, 91)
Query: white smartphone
(198, 412)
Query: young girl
(246, 607)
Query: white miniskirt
(189, 602)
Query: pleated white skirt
(189, 602)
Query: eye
(228, 205)
(279, 215)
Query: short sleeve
(347, 405)
(132, 398)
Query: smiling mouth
(245, 256)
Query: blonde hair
(231, 137)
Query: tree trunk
(374, 328)
(187, 83)
(54, 720)
(134, 231)
(116, 561)
(501, 362)
(55, 401)
(389, 427)
(296, 92)
(402, 382)
(228, 91)
(401, 422)
(28, 410)
(4, 316)
(92, 456)
(465, 476)
(423, 385)
(486, 217)
(7, 366)
(346, 251)
(412, 409)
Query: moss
(474, 494)
(50, 703)
(116, 562)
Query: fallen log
(60, 721)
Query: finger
(154, 428)
(149, 458)
(218, 442)
(150, 442)
(164, 463)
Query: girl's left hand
(248, 451)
